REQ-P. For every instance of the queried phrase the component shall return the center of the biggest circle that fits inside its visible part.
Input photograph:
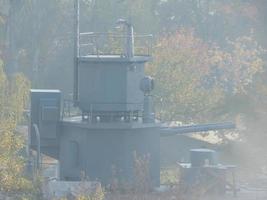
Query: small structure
(205, 172)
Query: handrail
(97, 43)
(68, 108)
(114, 34)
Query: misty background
(209, 56)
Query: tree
(194, 79)
(13, 98)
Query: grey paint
(45, 113)
(94, 148)
(103, 85)
(110, 83)
(102, 149)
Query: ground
(242, 195)
(251, 186)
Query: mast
(76, 50)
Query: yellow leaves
(192, 76)
(181, 61)
(19, 95)
(11, 181)
(244, 63)
(2, 75)
(98, 194)
(12, 165)
(13, 98)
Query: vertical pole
(38, 139)
(28, 149)
(234, 183)
(130, 40)
(148, 113)
(76, 50)
(11, 62)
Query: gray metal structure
(205, 171)
(117, 117)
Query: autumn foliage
(13, 97)
(194, 77)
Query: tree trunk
(11, 59)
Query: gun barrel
(196, 128)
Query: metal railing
(69, 110)
(96, 112)
(99, 44)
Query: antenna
(76, 50)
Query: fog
(208, 64)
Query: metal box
(45, 113)
(202, 157)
